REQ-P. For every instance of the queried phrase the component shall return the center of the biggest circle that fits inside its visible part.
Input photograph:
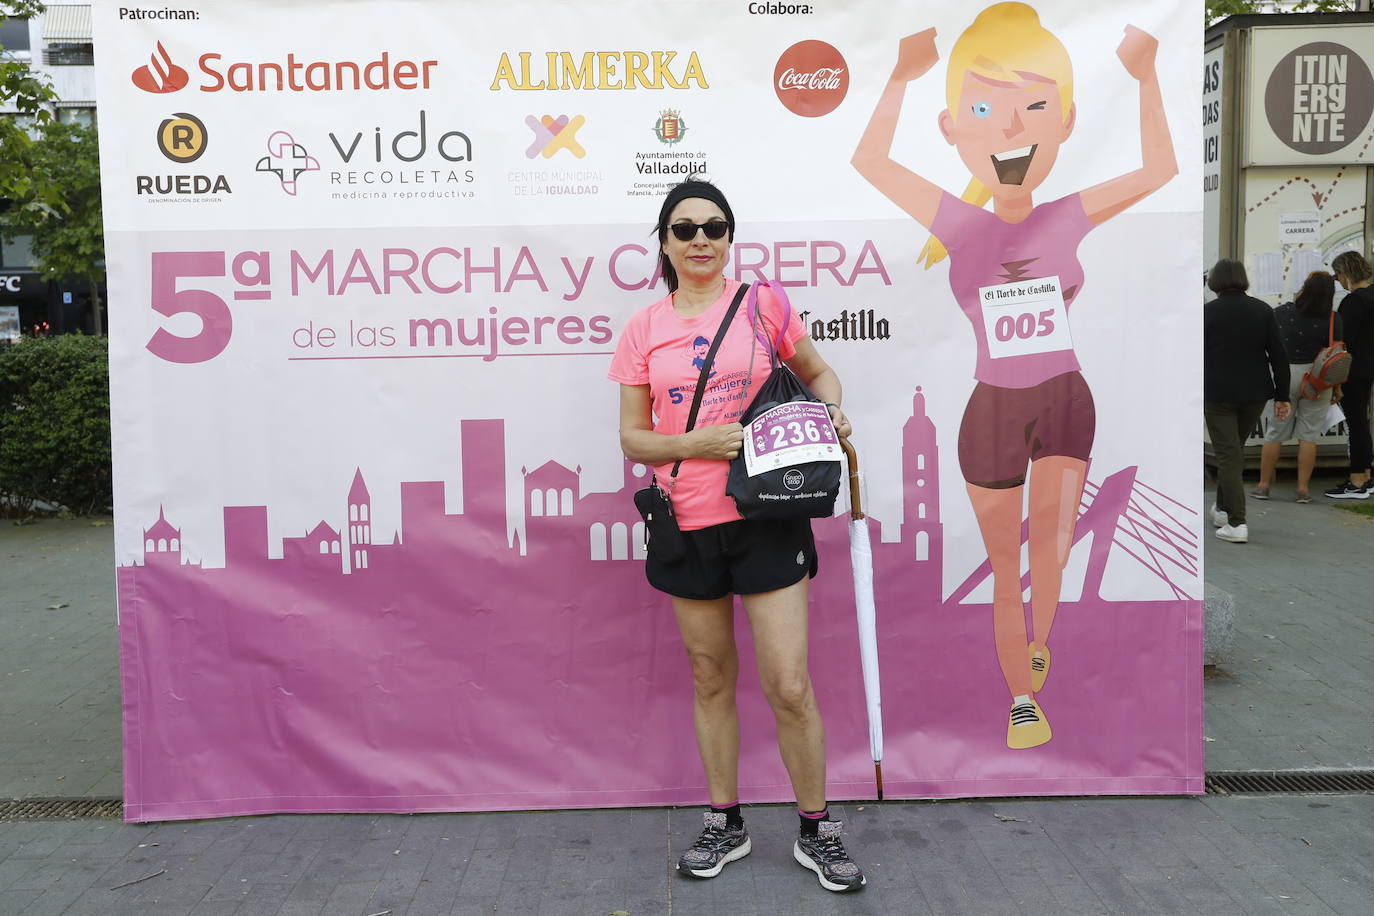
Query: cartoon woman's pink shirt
(1015, 282)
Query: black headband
(693, 188)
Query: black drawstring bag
(655, 504)
(790, 463)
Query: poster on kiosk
(368, 263)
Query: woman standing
(1243, 366)
(1009, 88)
(1357, 311)
(1305, 326)
(768, 564)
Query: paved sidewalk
(1279, 855)
(1298, 690)
(1295, 694)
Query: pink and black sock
(733, 817)
(811, 820)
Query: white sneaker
(1219, 518)
(1236, 534)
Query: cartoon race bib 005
(1025, 318)
(793, 433)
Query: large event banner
(368, 263)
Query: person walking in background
(1357, 313)
(1305, 326)
(1244, 365)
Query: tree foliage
(30, 95)
(55, 424)
(1220, 9)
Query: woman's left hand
(842, 427)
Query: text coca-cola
(820, 78)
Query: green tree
(1220, 9)
(68, 235)
(30, 95)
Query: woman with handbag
(1357, 311)
(1306, 325)
(679, 413)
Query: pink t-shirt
(991, 260)
(663, 350)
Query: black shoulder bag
(655, 504)
(789, 464)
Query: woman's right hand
(915, 55)
(721, 442)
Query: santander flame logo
(811, 78)
(160, 74)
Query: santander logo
(811, 78)
(160, 74)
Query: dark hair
(699, 341)
(1314, 299)
(692, 187)
(1227, 275)
(1352, 266)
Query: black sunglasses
(686, 231)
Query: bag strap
(773, 345)
(706, 364)
(1331, 330)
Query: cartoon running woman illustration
(1015, 274)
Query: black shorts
(743, 558)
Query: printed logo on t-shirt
(697, 351)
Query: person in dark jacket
(1306, 326)
(1244, 365)
(1357, 312)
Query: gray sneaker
(717, 845)
(824, 854)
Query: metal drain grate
(1291, 782)
(64, 809)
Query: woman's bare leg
(1269, 460)
(708, 634)
(1056, 489)
(779, 623)
(999, 519)
(1307, 460)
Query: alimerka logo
(599, 70)
(160, 74)
(811, 78)
(290, 75)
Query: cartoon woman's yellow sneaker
(1039, 665)
(1027, 725)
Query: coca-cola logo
(811, 78)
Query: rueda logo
(288, 160)
(160, 74)
(182, 137)
(553, 134)
(811, 78)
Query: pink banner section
(448, 665)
